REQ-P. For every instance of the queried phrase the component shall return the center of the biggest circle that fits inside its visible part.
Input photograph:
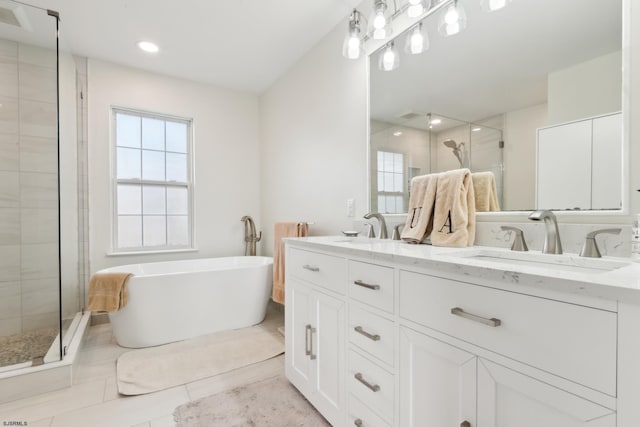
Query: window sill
(154, 252)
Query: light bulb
(452, 16)
(388, 59)
(379, 21)
(417, 43)
(452, 29)
(353, 47)
(497, 4)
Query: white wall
(226, 160)
(313, 141)
(585, 90)
(520, 130)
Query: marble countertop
(611, 278)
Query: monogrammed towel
(421, 202)
(454, 219)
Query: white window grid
(390, 177)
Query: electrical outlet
(351, 206)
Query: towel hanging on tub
(108, 291)
(281, 230)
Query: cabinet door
(328, 348)
(298, 335)
(564, 166)
(607, 162)
(507, 398)
(437, 382)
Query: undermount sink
(565, 262)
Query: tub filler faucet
(250, 237)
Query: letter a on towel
(455, 213)
(420, 217)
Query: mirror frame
(401, 25)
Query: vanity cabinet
(314, 336)
(384, 343)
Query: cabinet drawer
(372, 385)
(323, 270)
(372, 333)
(360, 411)
(574, 342)
(371, 284)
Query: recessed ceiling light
(436, 121)
(148, 46)
(397, 133)
(476, 129)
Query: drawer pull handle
(465, 424)
(358, 422)
(493, 322)
(308, 342)
(373, 387)
(361, 331)
(366, 285)
(311, 267)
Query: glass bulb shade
(352, 47)
(378, 25)
(493, 5)
(415, 10)
(452, 20)
(417, 41)
(379, 20)
(389, 59)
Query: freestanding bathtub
(176, 300)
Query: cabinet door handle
(361, 331)
(373, 387)
(465, 424)
(366, 285)
(358, 422)
(311, 267)
(493, 322)
(308, 342)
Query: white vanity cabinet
(314, 332)
(411, 345)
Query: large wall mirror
(531, 93)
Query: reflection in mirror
(488, 97)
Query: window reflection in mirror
(533, 65)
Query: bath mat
(157, 368)
(270, 403)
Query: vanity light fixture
(148, 46)
(417, 40)
(379, 23)
(452, 20)
(493, 5)
(389, 58)
(352, 46)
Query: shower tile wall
(83, 178)
(28, 189)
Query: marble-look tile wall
(28, 188)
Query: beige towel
(486, 194)
(454, 220)
(108, 291)
(421, 203)
(283, 229)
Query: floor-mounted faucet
(382, 233)
(250, 237)
(552, 244)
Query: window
(153, 182)
(390, 182)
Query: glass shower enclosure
(41, 290)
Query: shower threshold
(27, 379)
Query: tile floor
(93, 399)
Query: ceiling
(239, 44)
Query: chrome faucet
(382, 233)
(552, 244)
(250, 237)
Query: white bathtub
(176, 300)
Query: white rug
(269, 403)
(157, 368)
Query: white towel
(421, 203)
(454, 219)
